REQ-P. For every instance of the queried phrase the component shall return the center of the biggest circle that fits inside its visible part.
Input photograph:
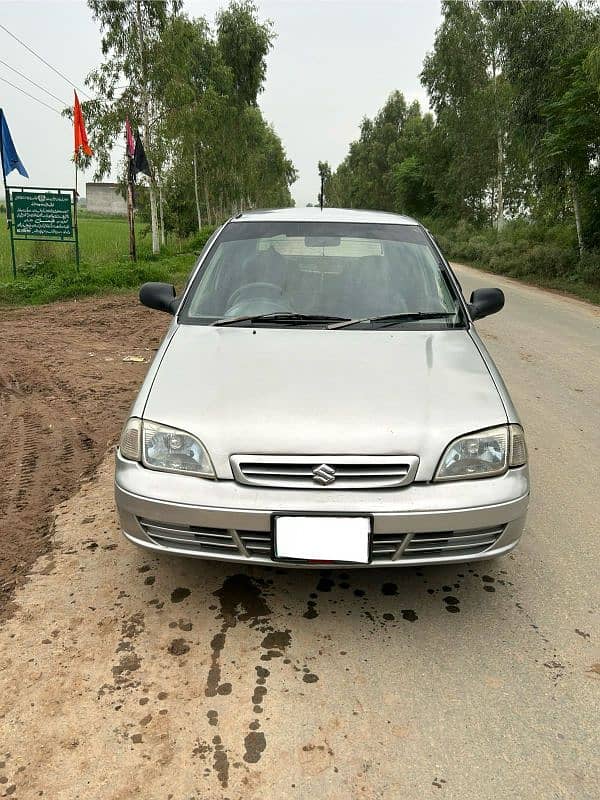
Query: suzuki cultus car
(322, 397)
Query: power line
(37, 85)
(37, 100)
(41, 102)
(43, 60)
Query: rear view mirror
(160, 296)
(485, 302)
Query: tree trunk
(146, 111)
(161, 211)
(197, 196)
(500, 198)
(577, 213)
(500, 150)
(206, 200)
(153, 209)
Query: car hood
(292, 391)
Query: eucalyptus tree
(222, 153)
(122, 83)
(208, 82)
(193, 85)
(414, 170)
(269, 172)
(554, 64)
(324, 170)
(457, 77)
(387, 167)
(244, 43)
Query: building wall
(104, 198)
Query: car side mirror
(160, 296)
(485, 302)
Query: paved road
(126, 676)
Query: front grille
(325, 472)
(192, 538)
(385, 546)
(433, 545)
(257, 543)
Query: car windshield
(316, 273)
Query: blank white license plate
(323, 538)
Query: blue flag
(10, 157)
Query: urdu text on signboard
(42, 214)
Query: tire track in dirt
(64, 393)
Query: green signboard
(42, 214)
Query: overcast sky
(334, 61)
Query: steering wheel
(252, 288)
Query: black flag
(140, 162)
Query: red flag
(129, 138)
(81, 140)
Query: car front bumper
(414, 525)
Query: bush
(199, 239)
(521, 249)
(548, 256)
(588, 268)
(477, 248)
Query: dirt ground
(64, 393)
(127, 675)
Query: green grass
(47, 271)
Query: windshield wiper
(288, 317)
(394, 319)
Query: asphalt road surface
(128, 676)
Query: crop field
(46, 271)
(102, 239)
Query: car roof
(314, 214)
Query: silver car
(322, 397)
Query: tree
(129, 30)
(552, 50)
(515, 89)
(573, 134)
(244, 43)
(464, 76)
(220, 147)
(193, 84)
(325, 176)
(387, 167)
(194, 88)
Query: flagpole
(130, 201)
(7, 199)
(75, 225)
(80, 142)
(131, 214)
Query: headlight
(483, 454)
(166, 449)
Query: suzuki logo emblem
(324, 474)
